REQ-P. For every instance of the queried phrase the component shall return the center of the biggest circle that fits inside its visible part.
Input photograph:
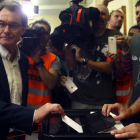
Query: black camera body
(29, 42)
(77, 1)
(75, 25)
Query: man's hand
(114, 57)
(105, 2)
(63, 80)
(121, 40)
(130, 131)
(35, 55)
(78, 53)
(43, 112)
(120, 111)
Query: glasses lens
(13, 27)
(2, 26)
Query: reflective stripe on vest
(39, 94)
(122, 93)
(123, 88)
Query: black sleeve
(16, 116)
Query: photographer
(93, 69)
(43, 71)
(59, 93)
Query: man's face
(138, 15)
(102, 23)
(44, 38)
(116, 20)
(131, 33)
(9, 37)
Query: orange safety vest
(123, 85)
(123, 88)
(39, 94)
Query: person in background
(44, 69)
(133, 31)
(93, 70)
(116, 20)
(132, 130)
(124, 80)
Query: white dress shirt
(13, 75)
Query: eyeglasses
(13, 26)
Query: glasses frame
(5, 25)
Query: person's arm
(16, 116)
(127, 104)
(22, 118)
(118, 70)
(134, 108)
(105, 67)
(43, 112)
(118, 73)
(125, 48)
(127, 65)
(126, 59)
(120, 111)
(50, 77)
(130, 131)
(105, 2)
(70, 58)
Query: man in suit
(14, 76)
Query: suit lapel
(4, 82)
(24, 77)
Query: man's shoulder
(135, 37)
(135, 41)
(49, 57)
(113, 32)
(50, 54)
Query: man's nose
(7, 29)
(120, 18)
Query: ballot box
(55, 128)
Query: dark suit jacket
(11, 115)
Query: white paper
(72, 124)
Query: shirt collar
(5, 53)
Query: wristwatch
(40, 63)
(85, 60)
(125, 53)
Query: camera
(77, 1)
(30, 39)
(75, 25)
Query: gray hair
(14, 6)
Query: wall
(116, 4)
(52, 19)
